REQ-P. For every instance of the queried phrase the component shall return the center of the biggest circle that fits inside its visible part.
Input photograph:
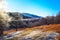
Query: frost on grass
(38, 35)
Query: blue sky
(37, 7)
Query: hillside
(52, 27)
(45, 28)
(28, 15)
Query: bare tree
(43, 21)
(17, 18)
(58, 17)
(50, 19)
(4, 19)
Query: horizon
(38, 7)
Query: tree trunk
(16, 28)
(16, 25)
(1, 31)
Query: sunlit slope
(38, 32)
(52, 27)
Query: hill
(28, 15)
(44, 28)
(24, 15)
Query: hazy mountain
(25, 15)
(28, 15)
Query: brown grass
(54, 27)
(51, 27)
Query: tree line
(37, 22)
(50, 20)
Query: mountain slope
(28, 15)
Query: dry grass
(54, 27)
(51, 27)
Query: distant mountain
(25, 15)
(28, 15)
